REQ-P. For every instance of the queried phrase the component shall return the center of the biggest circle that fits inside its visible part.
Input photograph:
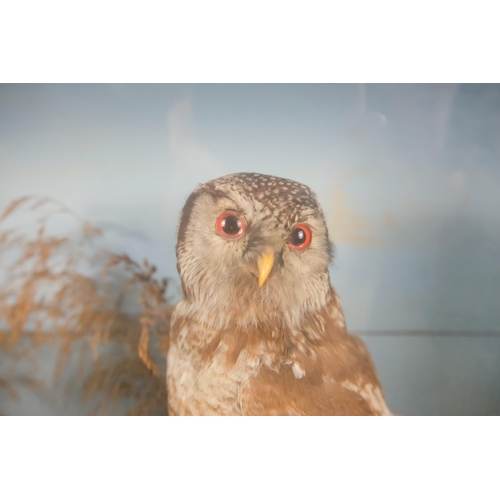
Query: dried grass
(66, 292)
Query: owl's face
(253, 248)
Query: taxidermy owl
(260, 330)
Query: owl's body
(260, 330)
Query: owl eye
(300, 238)
(230, 225)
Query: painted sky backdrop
(408, 176)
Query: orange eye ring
(300, 237)
(230, 225)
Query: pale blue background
(408, 175)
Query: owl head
(253, 249)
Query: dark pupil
(231, 225)
(298, 237)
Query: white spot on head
(298, 371)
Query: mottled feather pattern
(280, 349)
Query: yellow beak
(265, 264)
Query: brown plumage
(260, 330)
